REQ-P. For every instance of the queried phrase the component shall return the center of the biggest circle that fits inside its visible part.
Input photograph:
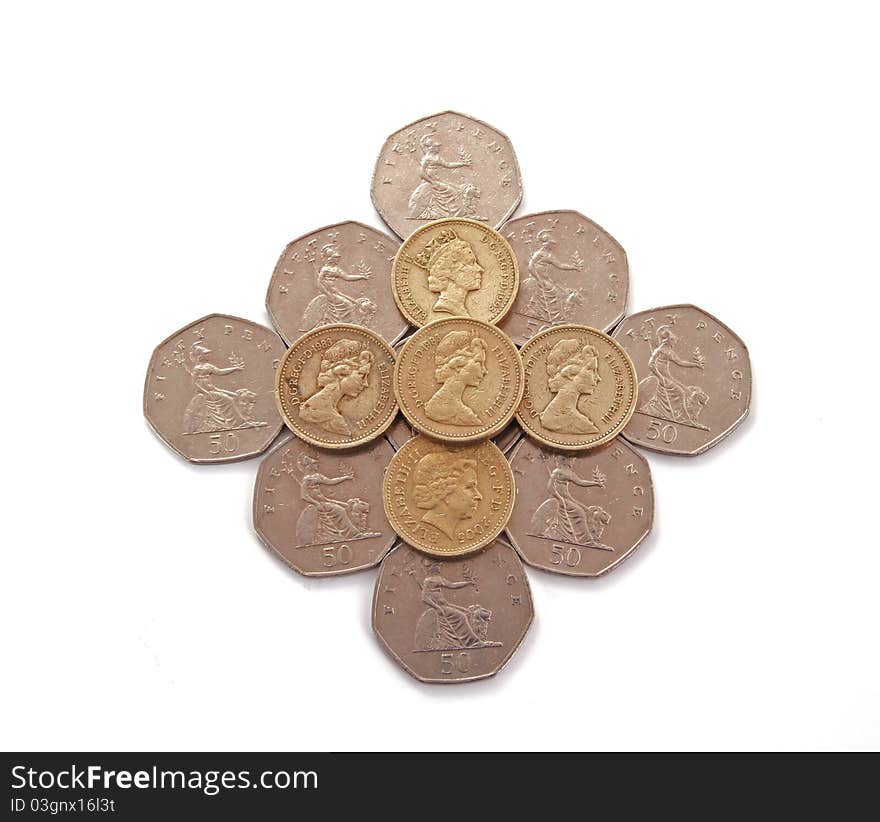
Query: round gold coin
(580, 388)
(454, 268)
(458, 380)
(333, 386)
(446, 499)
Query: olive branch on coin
(468, 575)
(287, 465)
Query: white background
(156, 161)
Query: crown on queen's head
(432, 249)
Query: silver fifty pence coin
(337, 274)
(210, 389)
(695, 379)
(452, 619)
(445, 165)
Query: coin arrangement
(407, 374)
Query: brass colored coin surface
(333, 387)
(448, 500)
(580, 388)
(454, 268)
(459, 380)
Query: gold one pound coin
(446, 499)
(333, 386)
(459, 380)
(580, 388)
(454, 268)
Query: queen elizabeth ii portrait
(445, 488)
(344, 372)
(453, 272)
(572, 372)
(460, 361)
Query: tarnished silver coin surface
(210, 389)
(509, 437)
(579, 514)
(337, 274)
(445, 165)
(571, 271)
(452, 620)
(321, 511)
(695, 379)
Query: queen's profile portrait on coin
(345, 367)
(458, 380)
(572, 372)
(453, 272)
(460, 361)
(454, 268)
(446, 489)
